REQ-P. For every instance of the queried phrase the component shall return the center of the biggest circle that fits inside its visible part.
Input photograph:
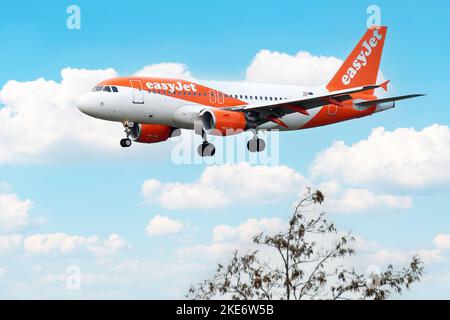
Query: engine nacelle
(223, 122)
(150, 133)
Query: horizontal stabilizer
(372, 102)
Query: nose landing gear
(126, 143)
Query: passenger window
(107, 89)
(114, 89)
(270, 98)
(266, 98)
(246, 97)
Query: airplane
(152, 109)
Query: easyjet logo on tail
(361, 58)
(178, 86)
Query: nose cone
(86, 104)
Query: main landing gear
(126, 143)
(256, 144)
(206, 149)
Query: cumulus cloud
(14, 212)
(247, 230)
(166, 70)
(109, 247)
(228, 238)
(40, 115)
(302, 69)
(360, 200)
(10, 242)
(442, 241)
(61, 243)
(160, 225)
(403, 157)
(222, 185)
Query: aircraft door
(138, 91)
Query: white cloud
(386, 256)
(359, 200)
(247, 230)
(403, 157)
(61, 243)
(160, 225)
(56, 243)
(10, 242)
(166, 70)
(44, 113)
(442, 241)
(227, 238)
(13, 212)
(222, 185)
(211, 252)
(302, 69)
(109, 247)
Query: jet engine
(150, 133)
(223, 122)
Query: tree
(304, 264)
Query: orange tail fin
(361, 66)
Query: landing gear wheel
(125, 143)
(206, 149)
(256, 145)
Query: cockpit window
(114, 89)
(107, 89)
(98, 88)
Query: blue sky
(91, 193)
